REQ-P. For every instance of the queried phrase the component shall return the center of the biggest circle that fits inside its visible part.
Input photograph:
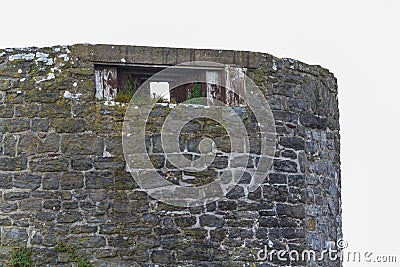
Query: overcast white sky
(356, 40)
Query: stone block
(211, 220)
(68, 125)
(295, 211)
(13, 164)
(295, 142)
(285, 166)
(49, 165)
(82, 164)
(40, 125)
(14, 237)
(6, 111)
(99, 179)
(82, 144)
(27, 181)
(68, 216)
(71, 180)
(13, 125)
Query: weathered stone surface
(6, 180)
(45, 216)
(13, 125)
(29, 205)
(40, 125)
(113, 145)
(211, 220)
(10, 144)
(286, 116)
(285, 166)
(42, 96)
(99, 180)
(60, 109)
(220, 162)
(296, 180)
(67, 125)
(6, 111)
(277, 178)
(14, 98)
(51, 181)
(68, 216)
(14, 237)
(49, 143)
(27, 181)
(71, 180)
(161, 256)
(295, 143)
(276, 192)
(310, 120)
(13, 164)
(89, 241)
(28, 144)
(236, 192)
(84, 144)
(49, 165)
(111, 163)
(82, 164)
(8, 207)
(295, 211)
(52, 204)
(29, 110)
(15, 195)
(63, 179)
(289, 154)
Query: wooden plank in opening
(235, 78)
(106, 82)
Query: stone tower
(66, 193)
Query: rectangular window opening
(119, 83)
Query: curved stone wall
(65, 193)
